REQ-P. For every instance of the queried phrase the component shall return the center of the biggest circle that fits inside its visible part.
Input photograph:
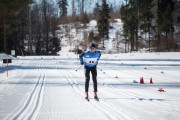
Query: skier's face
(92, 50)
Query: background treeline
(158, 21)
(30, 27)
(12, 24)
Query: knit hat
(93, 46)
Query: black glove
(82, 63)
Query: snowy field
(50, 88)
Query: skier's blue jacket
(90, 59)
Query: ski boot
(95, 96)
(86, 96)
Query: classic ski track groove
(29, 109)
(124, 114)
(75, 86)
(108, 110)
(31, 106)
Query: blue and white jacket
(90, 59)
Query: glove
(97, 61)
(82, 63)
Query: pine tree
(9, 12)
(73, 9)
(85, 19)
(54, 45)
(63, 10)
(177, 16)
(165, 20)
(130, 17)
(91, 37)
(124, 18)
(146, 16)
(103, 22)
(96, 10)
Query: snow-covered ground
(50, 88)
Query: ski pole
(99, 69)
(79, 68)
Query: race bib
(90, 60)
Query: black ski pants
(93, 71)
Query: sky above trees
(89, 4)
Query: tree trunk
(82, 9)
(136, 42)
(167, 42)
(149, 41)
(46, 30)
(30, 36)
(4, 31)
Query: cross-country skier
(90, 60)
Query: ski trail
(138, 97)
(79, 90)
(145, 73)
(20, 76)
(34, 101)
(148, 75)
(103, 106)
(119, 112)
(156, 102)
